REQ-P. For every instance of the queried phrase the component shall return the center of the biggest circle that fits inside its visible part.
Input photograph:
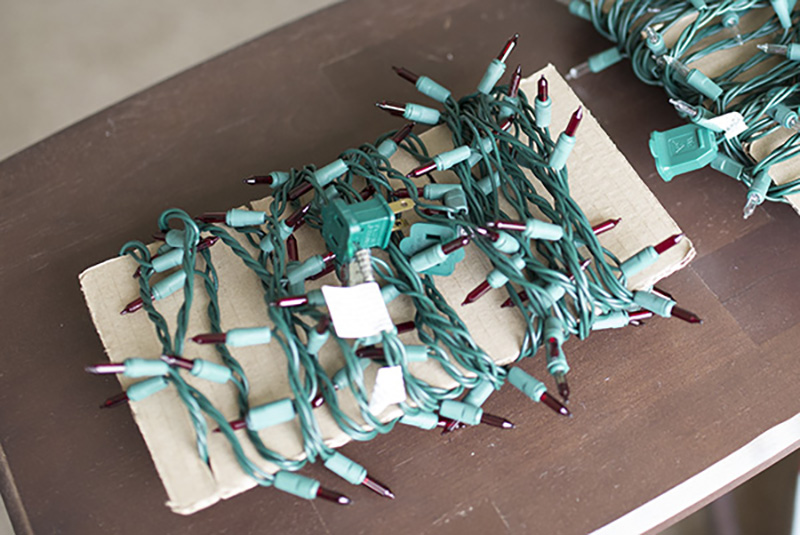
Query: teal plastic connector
(279, 178)
(553, 330)
(783, 9)
(174, 238)
(728, 166)
(211, 371)
(416, 353)
(489, 183)
(423, 246)
(478, 395)
(349, 470)
(301, 271)
(757, 192)
(526, 384)
(316, 340)
(654, 303)
(784, 116)
(541, 230)
(435, 192)
(457, 200)
(505, 243)
(421, 114)
(699, 4)
(325, 175)
(148, 387)
(562, 150)
(604, 59)
(493, 74)
(301, 486)
(283, 230)
(432, 89)
(703, 84)
(638, 262)
(248, 336)
(497, 278)
(682, 149)
(236, 217)
(387, 148)
(170, 259)
(145, 368)
(654, 41)
(461, 412)
(730, 19)
(613, 320)
(270, 414)
(542, 112)
(347, 228)
(552, 294)
(422, 419)
(168, 285)
(446, 160)
(580, 9)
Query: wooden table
(653, 406)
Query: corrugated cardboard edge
(182, 484)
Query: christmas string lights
(733, 112)
(387, 234)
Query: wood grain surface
(653, 406)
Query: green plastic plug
(347, 228)
(682, 149)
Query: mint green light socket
(316, 341)
(604, 59)
(448, 159)
(580, 9)
(553, 294)
(301, 271)
(526, 384)
(542, 111)
(421, 114)
(728, 166)
(248, 336)
(174, 238)
(347, 228)
(417, 353)
(340, 380)
(145, 368)
(614, 320)
(557, 365)
(654, 303)
(168, 260)
(278, 178)
(541, 230)
(432, 89)
(435, 192)
(236, 217)
(659, 47)
(486, 145)
(148, 387)
(387, 148)
(641, 260)
(783, 9)
(507, 106)
(497, 278)
(210, 371)
(349, 470)
(489, 183)
(168, 285)
(699, 4)
(506, 243)
(457, 200)
(329, 173)
(783, 115)
(301, 486)
(461, 412)
(703, 84)
(283, 230)
(428, 258)
(562, 150)
(760, 186)
(493, 74)
(553, 328)
(422, 419)
(270, 414)
(682, 149)
(389, 293)
(478, 395)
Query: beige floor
(62, 61)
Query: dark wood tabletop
(653, 406)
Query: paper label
(390, 388)
(731, 123)
(357, 311)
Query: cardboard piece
(603, 184)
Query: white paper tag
(390, 388)
(357, 311)
(731, 123)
